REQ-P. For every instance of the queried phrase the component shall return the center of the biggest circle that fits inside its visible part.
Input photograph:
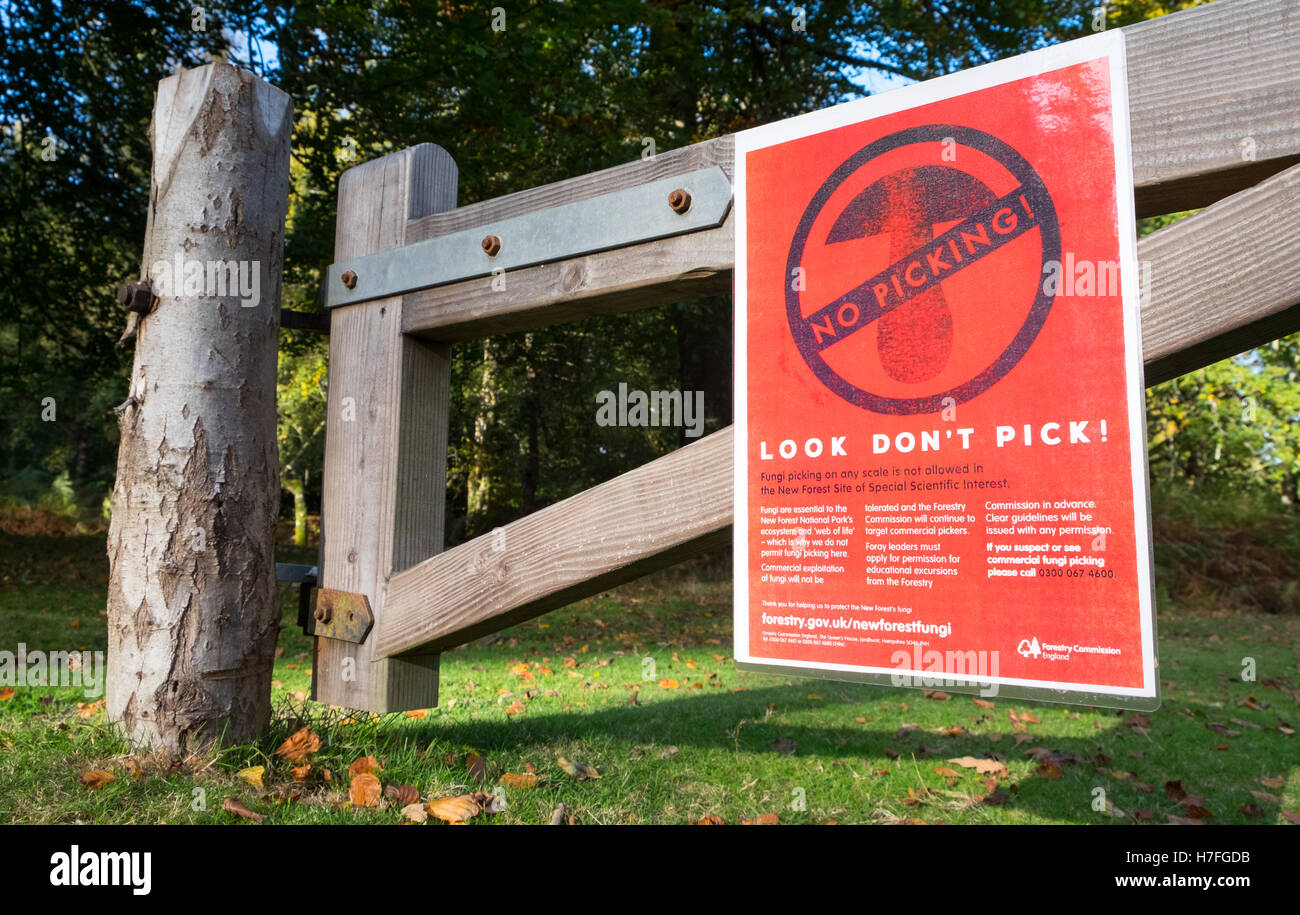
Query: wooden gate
(1215, 104)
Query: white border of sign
(1108, 45)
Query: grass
(720, 742)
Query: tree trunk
(298, 488)
(192, 608)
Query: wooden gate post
(193, 609)
(385, 435)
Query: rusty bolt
(491, 245)
(679, 200)
(137, 297)
(349, 279)
(322, 612)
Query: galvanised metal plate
(626, 217)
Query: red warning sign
(940, 452)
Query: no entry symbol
(905, 300)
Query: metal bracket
(304, 576)
(341, 615)
(658, 209)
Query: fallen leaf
(363, 765)
(519, 780)
(455, 809)
(403, 795)
(767, 819)
(558, 815)
(1291, 816)
(417, 713)
(996, 799)
(415, 813)
(935, 694)
(669, 684)
(300, 773)
(1198, 812)
(1253, 811)
(1049, 771)
(6, 694)
(1183, 821)
(784, 745)
(477, 767)
(577, 770)
(133, 768)
(299, 747)
(1266, 797)
(515, 708)
(253, 775)
(982, 766)
(97, 778)
(1277, 781)
(984, 703)
(946, 772)
(1175, 791)
(365, 790)
(711, 819)
(236, 806)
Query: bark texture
(192, 601)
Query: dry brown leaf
(415, 813)
(1276, 781)
(299, 747)
(946, 772)
(454, 809)
(559, 815)
(417, 713)
(767, 819)
(1291, 816)
(133, 767)
(403, 795)
(476, 766)
(577, 770)
(984, 703)
(982, 766)
(711, 819)
(300, 773)
(784, 745)
(669, 684)
(365, 790)
(515, 708)
(253, 775)
(236, 806)
(519, 780)
(97, 778)
(7, 693)
(935, 694)
(1049, 771)
(363, 765)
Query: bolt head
(349, 279)
(491, 245)
(137, 297)
(679, 200)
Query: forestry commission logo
(928, 252)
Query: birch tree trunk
(192, 601)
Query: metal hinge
(658, 209)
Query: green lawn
(697, 738)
